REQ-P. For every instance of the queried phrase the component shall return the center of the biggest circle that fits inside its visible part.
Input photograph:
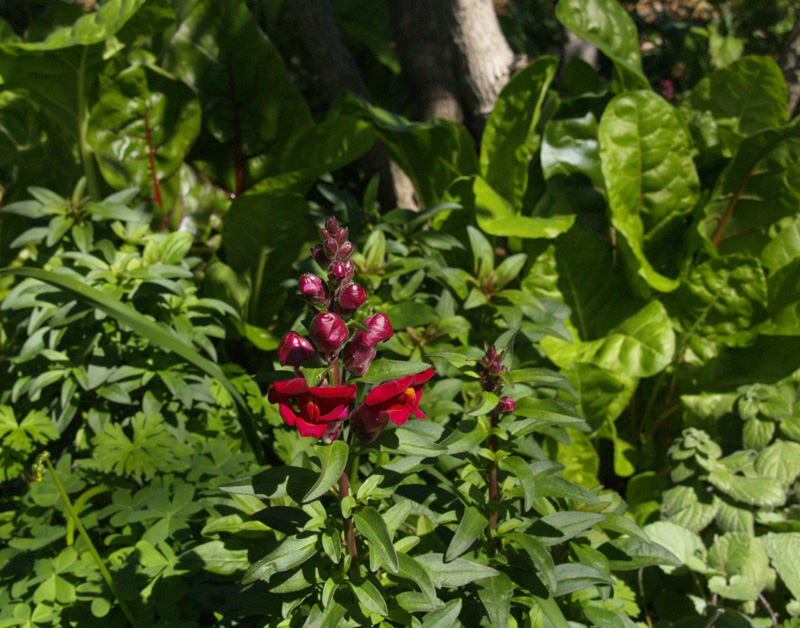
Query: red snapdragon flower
(310, 409)
(393, 401)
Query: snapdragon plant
(397, 519)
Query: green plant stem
(766, 604)
(87, 155)
(92, 550)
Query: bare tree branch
(790, 64)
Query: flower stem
(491, 441)
(349, 527)
(92, 550)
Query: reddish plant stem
(717, 237)
(492, 444)
(151, 153)
(349, 528)
(237, 136)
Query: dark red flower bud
(349, 271)
(294, 350)
(345, 251)
(357, 356)
(341, 238)
(328, 332)
(332, 432)
(351, 298)
(313, 288)
(380, 329)
(506, 404)
(332, 226)
(367, 425)
(330, 247)
(337, 272)
(319, 256)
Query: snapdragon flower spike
(294, 350)
(489, 368)
(328, 332)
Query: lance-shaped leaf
(608, 26)
(142, 128)
(432, 154)
(640, 347)
(470, 528)
(147, 328)
(510, 138)
(756, 189)
(250, 107)
(746, 97)
(372, 527)
(650, 178)
(333, 459)
(716, 305)
(496, 216)
(495, 594)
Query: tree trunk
(333, 65)
(486, 59)
(427, 58)
(790, 64)
(580, 48)
(336, 71)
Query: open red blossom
(308, 408)
(393, 401)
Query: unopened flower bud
(333, 431)
(337, 272)
(506, 404)
(328, 332)
(342, 236)
(332, 226)
(313, 288)
(294, 350)
(351, 298)
(319, 255)
(345, 251)
(380, 329)
(349, 271)
(357, 356)
(367, 425)
(330, 247)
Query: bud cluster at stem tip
(321, 411)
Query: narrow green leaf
(521, 470)
(470, 527)
(274, 483)
(371, 525)
(540, 556)
(369, 596)
(292, 552)
(495, 594)
(333, 460)
(412, 570)
(383, 370)
(443, 618)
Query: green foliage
(637, 257)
